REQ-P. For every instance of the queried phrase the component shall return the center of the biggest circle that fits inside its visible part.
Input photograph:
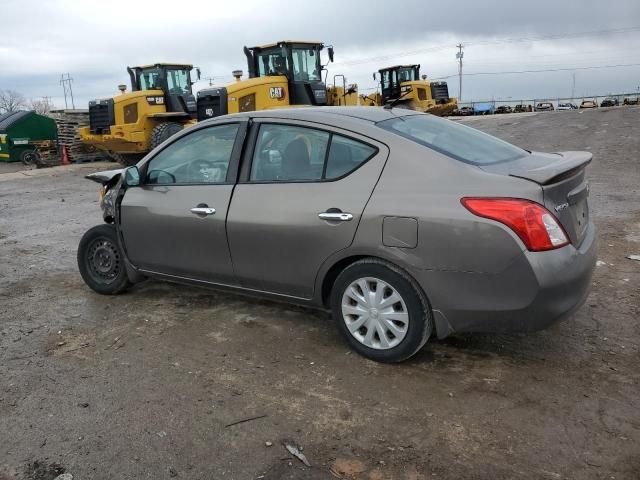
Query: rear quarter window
(453, 139)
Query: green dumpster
(25, 132)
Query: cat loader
(160, 104)
(342, 95)
(402, 86)
(281, 74)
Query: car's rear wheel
(101, 262)
(381, 311)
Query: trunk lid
(564, 186)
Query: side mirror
(330, 51)
(131, 177)
(198, 72)
(375, 76)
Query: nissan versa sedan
(406, 226)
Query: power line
(436, 48)
(595, 67)
(555, 37)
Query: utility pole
(459, 56)
(573, 85)
(64, 88)
(210, 81)
(66, 83)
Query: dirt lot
(145, 385)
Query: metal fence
(487, 107)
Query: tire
(30, 158)
(164, 131)
(101, 262)
(125, 159)
(409, 337)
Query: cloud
(95, 42)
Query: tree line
(12, 101)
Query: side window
(200, 157)
(345, 155)
(271, 64)
(178, 81)
(386, 81)
(286, 153)
(289, 153)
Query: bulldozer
(402, 86)
(160, 104)
(342, 94)
(281, 74)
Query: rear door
(174, 222)
(301, 195)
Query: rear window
(453, 139)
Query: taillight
(535, 225)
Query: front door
(174, 222)
(298, 203)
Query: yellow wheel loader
(281, 74)
(129, 125)
(402, 86)
(342, 95)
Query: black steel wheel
(101, 262)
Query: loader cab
(300, 62)
(392, 78)
(173, 79)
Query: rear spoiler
(565, 166)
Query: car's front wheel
(381, 311)
(101, 262)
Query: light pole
(459, 56)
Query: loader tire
(164, 131)
(125, 159)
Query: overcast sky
(94, 41)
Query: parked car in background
(485, 108)
(522, 108)
(464, 111)
(504, 109)
(544, 107)
(631, 101)
(610, 102)
(405, 225)
(567, 106)
(589, 104)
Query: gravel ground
(147, 384)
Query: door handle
(203, 210)
(336, 216)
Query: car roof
(365, 114)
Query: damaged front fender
(111, 183)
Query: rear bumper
(535, 291)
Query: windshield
(178, 81)
(407, 75)
(306, 64)
(149, 79)
(450, 138)
(271, 62)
